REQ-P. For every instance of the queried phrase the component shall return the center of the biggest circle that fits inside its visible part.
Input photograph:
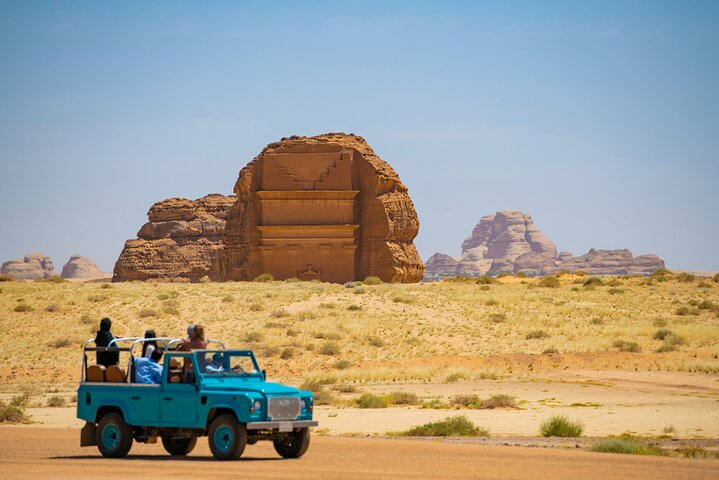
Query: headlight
(303, 404)
(258, 405)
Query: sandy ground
(28, 453)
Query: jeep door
(178, 397)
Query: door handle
(134, 398)
(169, 399)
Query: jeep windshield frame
(204, 357)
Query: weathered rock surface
(81, 267)
(33, 266)
(324, 207)
(180, 240)
(508, 241)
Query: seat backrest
(95, 373)
(174, 363)
(115, 374)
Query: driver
(216, 365)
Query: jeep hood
(245, 384)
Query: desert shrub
(345, 388)
(497, 317)
(270, 351)
(697, 452)
(614, 283)
(561, 426)
(279, 313)
(681, 311)
(51, 308)
(20, 400)
(96, 298)
(327, 306)
(55, 279)
(287, 353)
(228, 299)
(354, 308)
(372, 280)
(402, 299)
(369, 400)
(685, 277)
(61, 343)
(328, 335)
(615, 291)
(537, 334)
(661, 272)
(264, 277)
(252, 337)
(342, 364)
(292, 280)
(659, 322)
(291, 332)
(548, 282)
(170, 310)
(626, 446)
(22, 307)
(359, 290)
(349, 284)
(275, 325)
(500, 400)
(6, 278)
(314, 384)
(56, 401)
(12, 414)
(330, 348)
(715, 278)
(256, 307)
(402, 398)
(87, 320)
(596, 321)
(666, 347)
(625, 346)
(707, 305)
(521, 275)
(593, 282)
(662, 334)
(458, 426)
(491, 303)
(470, 401)
(147, 312)
(485, 280)
(375, 341)
(549, 351)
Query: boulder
(81, 267)
(34, 266)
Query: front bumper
(282, 426)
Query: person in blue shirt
(216, 365)
(149, 370)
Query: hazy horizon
(601, 120)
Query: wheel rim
(224, 438)
(111, 436)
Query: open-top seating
(95, 373)
(115, 374)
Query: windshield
(227, 363)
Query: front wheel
(179, 446)
(294, 445)
(228, 437)
(113, 436)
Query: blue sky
(600, 119)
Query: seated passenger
(216, 365)
(148, 370)
(103, 339)
(149, 346)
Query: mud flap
(87, 435)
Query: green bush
(12, 414)
(354, 308)
(593, 282)
(375, 341)
(55, 279)
(549, 282)
(697, 452)
(500, 400)
(561, 426)
(252, 337)
(330, 348)
(457, 426)
(343, 364)
(264, 277)
(626, 446)
(685, 277)
(625, 346)
(22, 307)
(659, 322)
(485, 280)
(372, 280)
(661, 272)
(662, 334)
(369, 400)
(402, 398)
(537, 334)
(56, 402)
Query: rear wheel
(113, 436)
(179, 445)
(295, 444)
(228, 437)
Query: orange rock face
(324, 207)
(181, 240)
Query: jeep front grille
(283, 408)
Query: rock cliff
(33, 266)
(508, 241)
(82, 268)
(180, 240)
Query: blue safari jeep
(221, 393)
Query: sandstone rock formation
(508, 241)
(33, 266)
(324, 207)
(82, 268)
(180, 240)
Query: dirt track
(55, 453)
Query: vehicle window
(225, 363)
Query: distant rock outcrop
(81, 268)
(33, 266)
(180, 240)
(508, 241)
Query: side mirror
(264, 375)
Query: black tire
(294, 445)
(113, 436)
(227, 437)
(178, 446)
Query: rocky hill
(508, 241)
(79, 267)
(34, 266)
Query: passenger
(190, 328)
(195, 342)
(149, 347)
(103, 339)
(149, 370)
(216, 365)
